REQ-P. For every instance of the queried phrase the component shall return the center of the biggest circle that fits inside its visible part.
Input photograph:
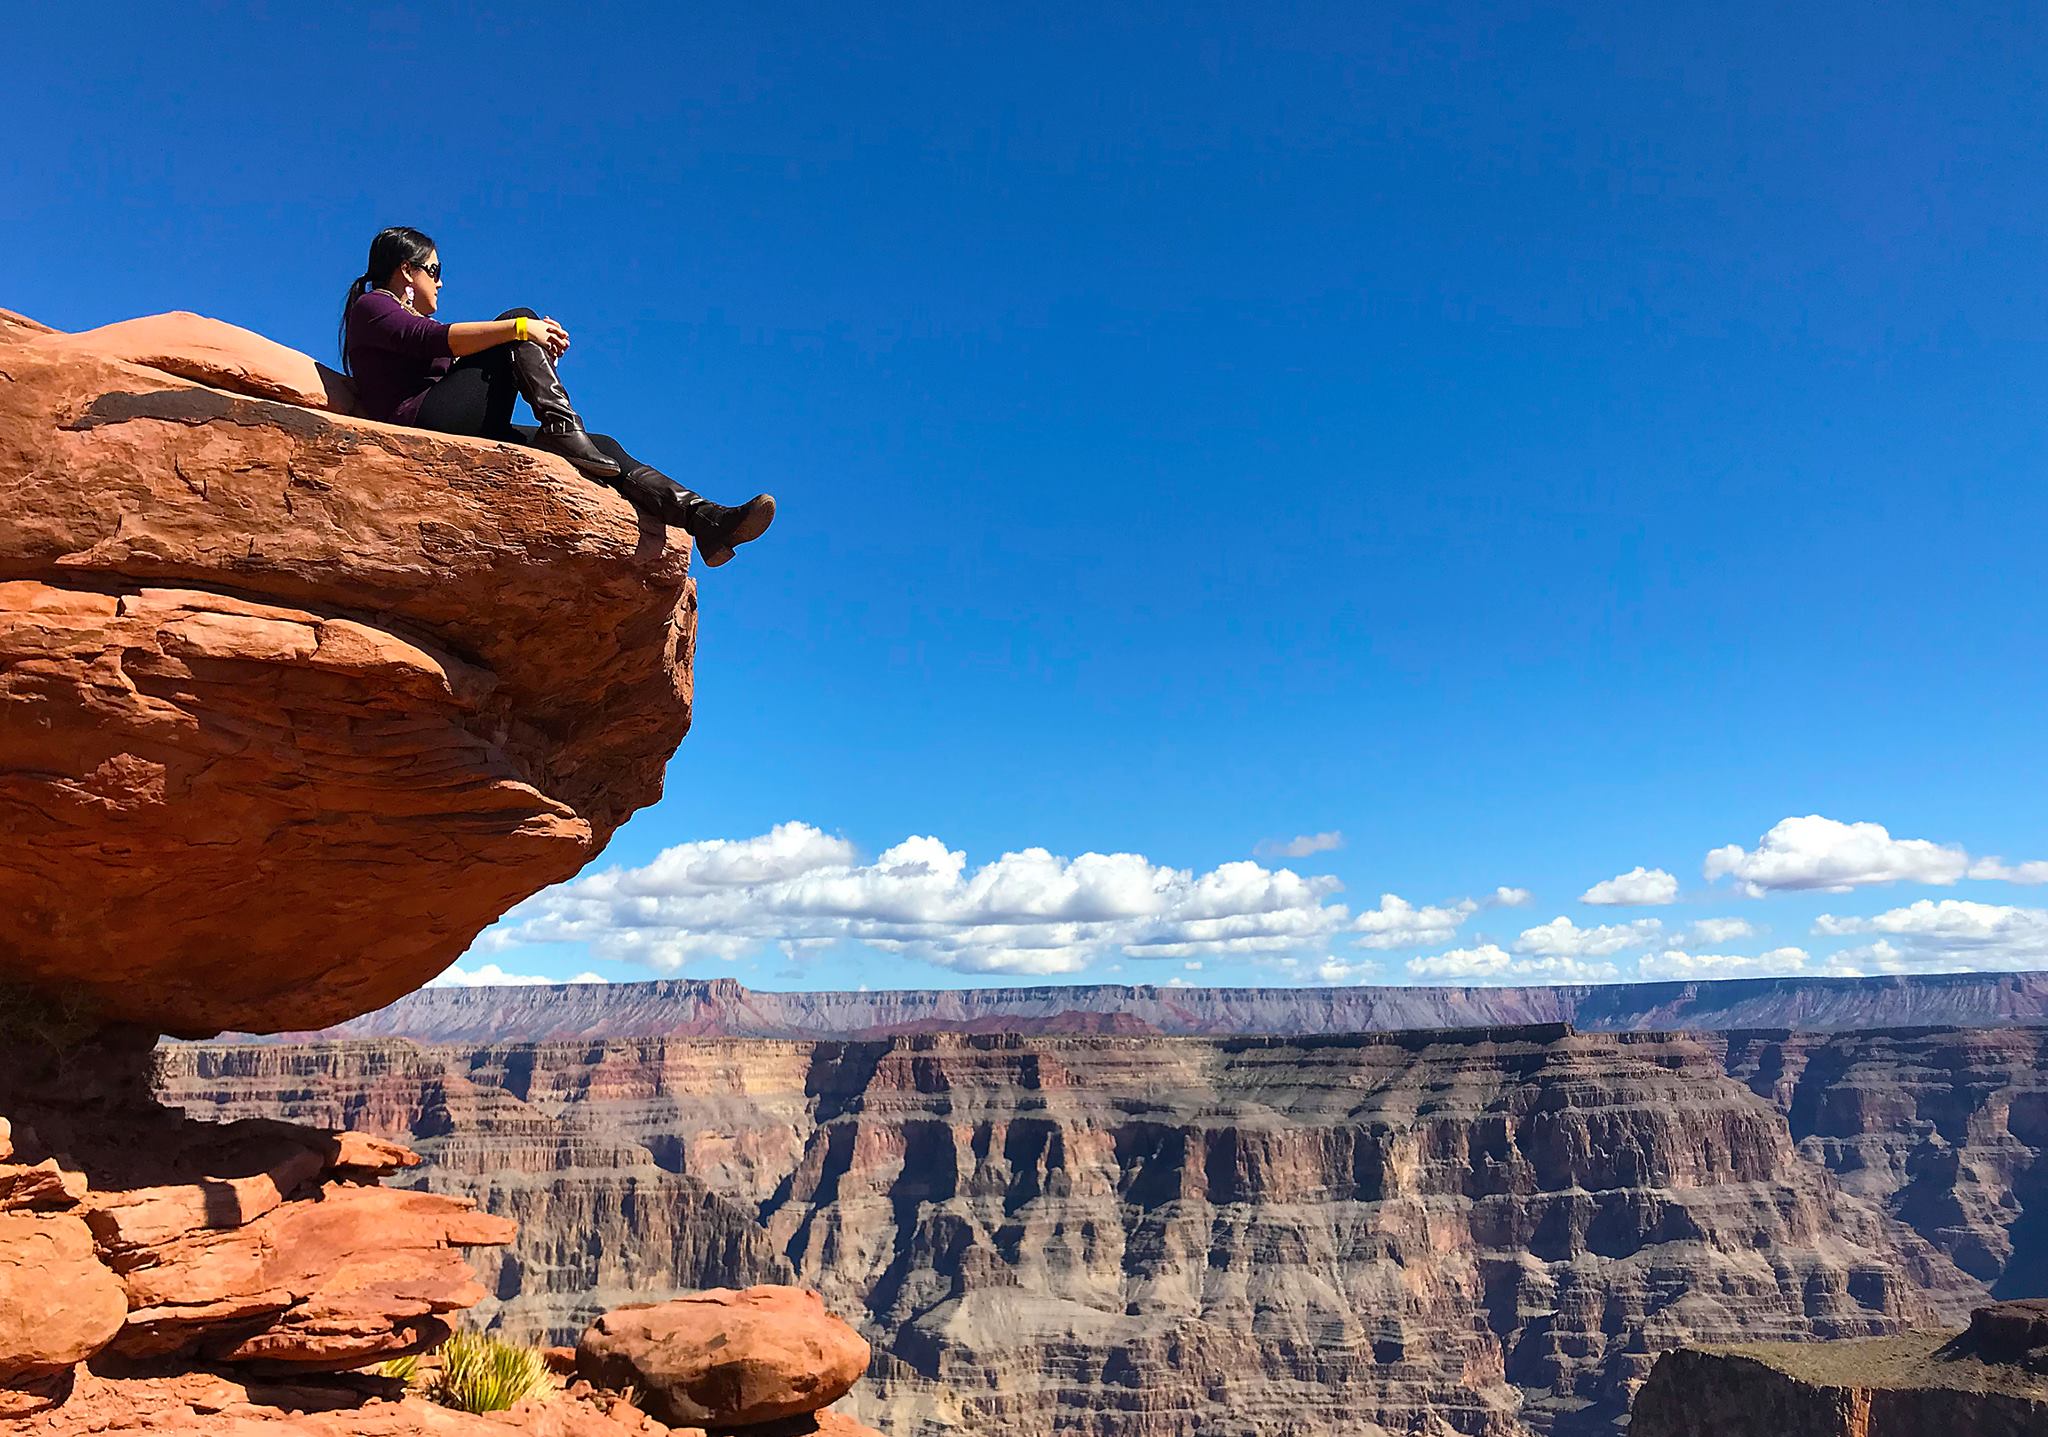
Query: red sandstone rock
(352, 1276)
(41, 1187)
(205, 1404)
(252, 1241)
(727, 1358)
(209, 351)
(292, 705)
(836, 1424)
(58, 1304)
(814, 1424)
(366, 1155)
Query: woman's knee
(615, 451)
(519, 314)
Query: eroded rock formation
(1990, 1380)
(131, 1235)
(1490, 1232)
(293, 704)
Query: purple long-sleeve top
(395, 356)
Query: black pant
(475, 397)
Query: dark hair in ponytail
(391, 249)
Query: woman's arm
(473, 336)
(380, 322)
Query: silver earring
(408, 296)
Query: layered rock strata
(1476, 1232)
(1945, 1131)
(722, 1008)
(293, 704)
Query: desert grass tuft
(480, 1373)
(405, 1369)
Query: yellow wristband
(519, 327)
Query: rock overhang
(293, 704)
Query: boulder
(212, 352)
(58, 1303)
(726, 1358)
(293, 705)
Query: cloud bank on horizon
(800, 892)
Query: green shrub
(480, 1373)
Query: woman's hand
(549, 336)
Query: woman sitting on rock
(400, 358)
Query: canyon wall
(722, 1008)
(1488, 1232)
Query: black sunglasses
(431, 271)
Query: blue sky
(1532, 443)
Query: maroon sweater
(395, 356)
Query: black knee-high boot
(561, 431)
(717, 528)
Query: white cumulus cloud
(490, 975)
(1031, 911)
(1397, 923)
(1676, 963)
(1834, 857)
(1562, 938)
(1491, 965)
(2033, 871)
(1638, 888)
(1506, 897)
(1948, 935)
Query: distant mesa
(723, 1008)
(294, 704)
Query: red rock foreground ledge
(292, 704)
(128, 1232)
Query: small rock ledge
(1990, 1380)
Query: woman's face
(425, 279)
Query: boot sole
(760, 514)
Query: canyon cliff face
(722, 1008)
(1484, 1232)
